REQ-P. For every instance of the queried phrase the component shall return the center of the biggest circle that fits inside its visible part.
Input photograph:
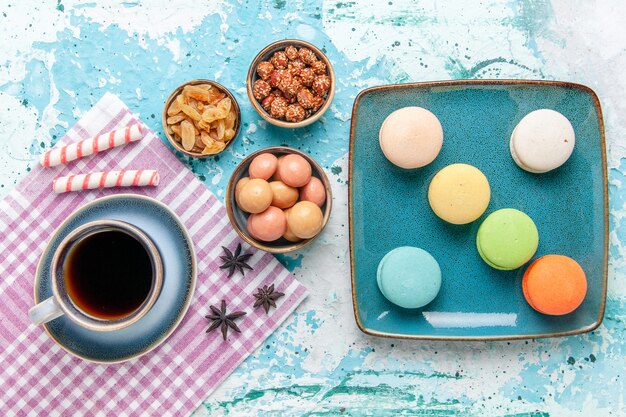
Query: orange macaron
(554, 285)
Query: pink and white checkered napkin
(38, 378)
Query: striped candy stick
(99, 143)
(130, 178)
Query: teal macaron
(409, 277)
(507, 239)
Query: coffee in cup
(105, 276)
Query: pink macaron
(411, 137)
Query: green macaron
(507, 239)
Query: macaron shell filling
(526, 291)
(411, 137)
(554, 285)
(409, 277)
(507, 239)
(517, 160)
(459, 193)
(487, 261)
(542, 141)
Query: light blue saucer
(179, 281)
(389, 208)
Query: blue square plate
(389, 208)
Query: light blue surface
(567, 205)
(59, 57)
(408, 277)
(178, 280)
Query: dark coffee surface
(108, 274)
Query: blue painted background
(61, 57)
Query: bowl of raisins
(291, 83)
(201, 118)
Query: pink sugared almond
(268, 225)
(313, 191)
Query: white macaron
(542, 141)
(411, 137)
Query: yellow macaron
(459, 193)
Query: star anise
(267, 297)
(233, 261)
(222, 320)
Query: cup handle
(45, 311)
